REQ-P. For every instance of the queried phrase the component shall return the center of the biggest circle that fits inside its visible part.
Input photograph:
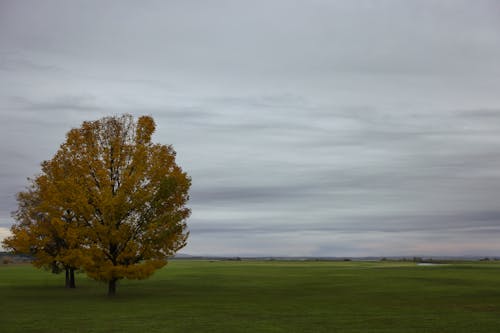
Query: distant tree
(122, 197)
(46, 226)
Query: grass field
(253, 296)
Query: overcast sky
(310, 128)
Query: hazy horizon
(309, 128)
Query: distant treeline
(435, 259)
(9, 258)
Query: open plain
(260, 296)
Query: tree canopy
(110, 202)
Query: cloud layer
(318, 128)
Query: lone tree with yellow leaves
(110, 202)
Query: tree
(45, 230)
(124, 197)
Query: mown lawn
(253, 296)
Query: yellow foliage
(110, 202)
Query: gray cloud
(61, 103)
(333, 128)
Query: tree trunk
(72, 278)
(112, 287)
(67, 277)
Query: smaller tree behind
(45, 229)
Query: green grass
(253, 296)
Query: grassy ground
(250, 296)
